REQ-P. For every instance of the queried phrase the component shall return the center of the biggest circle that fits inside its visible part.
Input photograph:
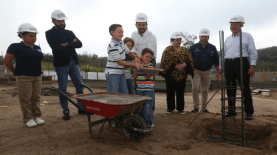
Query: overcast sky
(90, 20)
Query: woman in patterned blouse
(177, 62)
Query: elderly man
(232, 66)
(143, 38)
(204, 56)
(63, 43)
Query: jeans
(130, 86)
(72, 69)
(147, 109)
(116, 83)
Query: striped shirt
(116, 51)
(232, 47)
(144, 84)
(147, 40)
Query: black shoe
(81, 112)
(229, 114)
(195, 110)
(66, 115)
(248, 117)
(206, 111)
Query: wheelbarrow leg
(102, 127)
(90, 125)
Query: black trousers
(179, 88)
(232, 74)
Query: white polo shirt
(147, 40)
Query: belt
(204, 69)
(235, 59)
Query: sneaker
(39, 121)
(182, 112)
(168, 111)
(195, 110)
(31, 123)
(66, 115)
(206, 111)
(152, 125)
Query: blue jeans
(116, 83)
(72, 69)
(130, 86)
(147, 109)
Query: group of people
(136, 52)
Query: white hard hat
(204, 32)
(176, 35)
(237, 19)
(58, 15)
(141, 17)
(26, 27)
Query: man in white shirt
(232, 66)
(143, 38)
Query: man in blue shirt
(232, 66)
(63, 43)
(204, 56)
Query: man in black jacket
(63, 43)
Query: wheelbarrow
(119, 110)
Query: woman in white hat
(27, 72)
(177, 62)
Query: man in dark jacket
(204, 56)
(63, 43)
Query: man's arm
(76, 43)
(152, 44)
(253, 55)
(55, 44)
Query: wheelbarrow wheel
(128, 123)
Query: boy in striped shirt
(145, 87)
(114, 71)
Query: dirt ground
(171, 133)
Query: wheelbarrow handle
(87, 87)
(75, 104)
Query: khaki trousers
(29, 90)
(202, 78)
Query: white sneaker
(39, 121)
(182, 112)
(31, 123)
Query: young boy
(115, 76)
(145, 87)
(129, 42)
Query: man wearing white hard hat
(232, 66)
(63, 43)
(143, 38)
(204, 56)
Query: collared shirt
(62, 54)
(28, 60)
(116, 51)
(204, 58)
(147, 40)
(232, 47)
(144, 84)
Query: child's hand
(137, 66)
(147, 75)
(135, 75)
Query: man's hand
(74, 40)
(64, 44)
(251, 71)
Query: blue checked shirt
(232, 47)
